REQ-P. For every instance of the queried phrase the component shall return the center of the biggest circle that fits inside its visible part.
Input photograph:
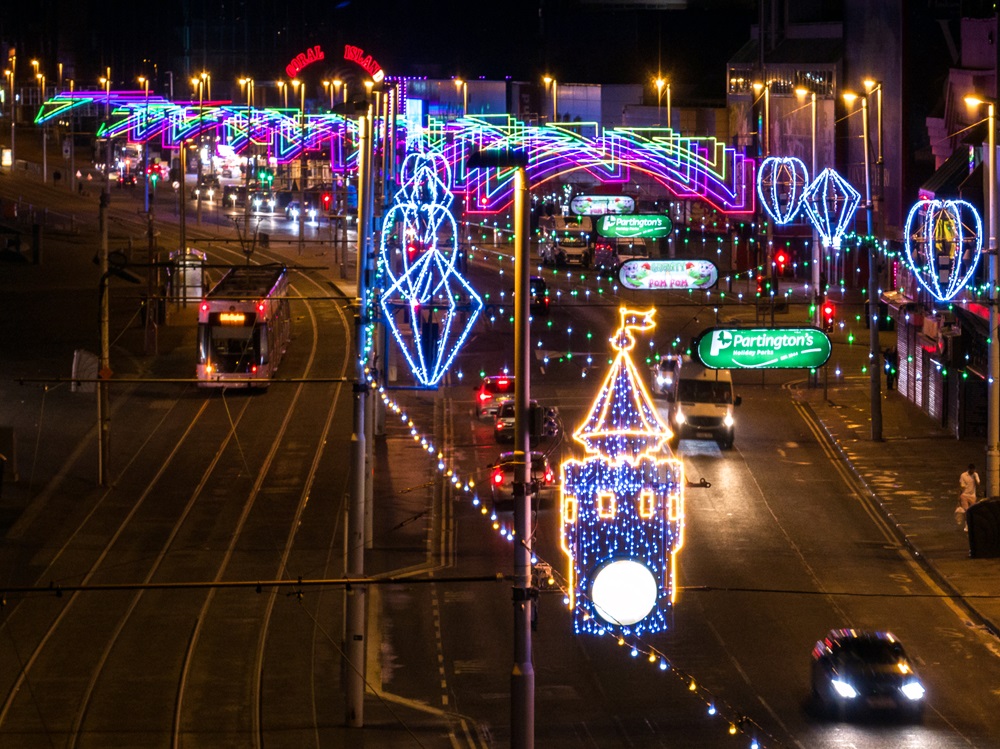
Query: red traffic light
(781, 258)
(828, 310)
(760, 285)
(327, 197)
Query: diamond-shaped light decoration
(830, 203)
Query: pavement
(911, 474)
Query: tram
(244, 325)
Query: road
(233, 488)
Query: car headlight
(844, 689)
(679, 417)
(729, 420)
(913, 690)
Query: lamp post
(463, 86)
(329, 89)
(993, 372)
(300, 87)
(817, 257)
(104, 361)
(555, 96)
(247, 82)
(662, 84)
(522, 680)
(13, 108)
(199, 84)
(144, 82)
(873, 321)
(45, 130)
(283, 87)
(764, 89)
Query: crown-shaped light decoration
(781, 183)
(830, 203)
(622, 506)
(944, 241)
(423, 290)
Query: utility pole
(522, 678)
(356, 596)
(104, 366)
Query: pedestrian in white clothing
(969, 483)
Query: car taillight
(500, 425)
(483, 396)
(498, 477)
(548, 477)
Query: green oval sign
(764, 348)
(650, 226)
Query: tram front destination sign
(763, 348)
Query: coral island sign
(651, 226)
(356, 54)
(598, 205)
(763, 348)
(304, 59)
(668, 274)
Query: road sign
(599, 205)
(668, 274)
(763, 348)
(651, 226)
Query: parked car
(502, 478)
(857, 671)
(493, 391)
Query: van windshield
(704, 391)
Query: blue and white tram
(244, 325)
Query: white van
(702, 402)
(565, 239)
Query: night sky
(570, 39)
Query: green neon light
(763, 348)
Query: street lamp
(329, 88)
(873, 321)
(300, 87)
(144, 82)
(555, 96)
(283, 88)
(45, 130)
(463, 86)
(247, 82)
(817, 250)
(993, 371)
(766, 89)
(661, 84)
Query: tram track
(118, 636)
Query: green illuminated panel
(763, 348)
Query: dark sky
(573, 40)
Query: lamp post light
(45, 129)
(337, 83)
(283, 88)
(300, 87)
(662, 84)
(764, 89)
(144, 82)
(463, 86)
(993, 372)
(817, 258)
(555, 96)
(870, 240)
(329, 89)
(247, 83)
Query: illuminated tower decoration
(830, 203)
(429, 307)
(622, 506)
(781, 183)
(944, 241)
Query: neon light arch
(687, 166)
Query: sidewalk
(912, 475)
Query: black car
(859, 671)
(502, 479)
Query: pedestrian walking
(891, 365)
(969, 484)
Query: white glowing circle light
(624, 592)
(781, 184)
(944, 241)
